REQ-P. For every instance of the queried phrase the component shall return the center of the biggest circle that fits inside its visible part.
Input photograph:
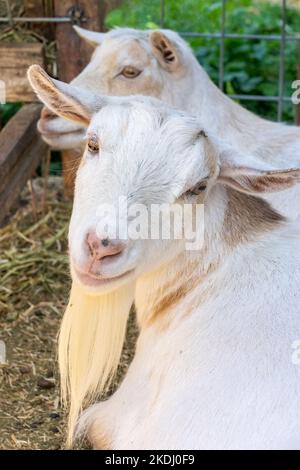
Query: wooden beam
(15, 58)
(21, 149)
(15, 138)
(29, 160)
(73, 54)
(34, 8)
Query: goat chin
(90, 345)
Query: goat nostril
(94, 246)
(100, 249)
(105, 242)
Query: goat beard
(91, 339)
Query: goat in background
(161, 64)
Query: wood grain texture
(16, 136)
(34, 8)
(17, 179)
(73, 54)
(15, 59)
(21, 149)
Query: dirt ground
(34, 289)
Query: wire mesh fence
(282, 38)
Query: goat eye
(93, 146)
(130, 72)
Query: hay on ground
(34, 290)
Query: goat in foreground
(213, 366)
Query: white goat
(213, 366)
(161, 64)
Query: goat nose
(100, 248)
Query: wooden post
(73, 55)
(34, 8)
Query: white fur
(213, 368)
(215, 371)
(220, 377)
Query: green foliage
(251, 66)
(7, 111)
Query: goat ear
(91, 37)
(65, 100)
(255, 180)
(164, 50)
